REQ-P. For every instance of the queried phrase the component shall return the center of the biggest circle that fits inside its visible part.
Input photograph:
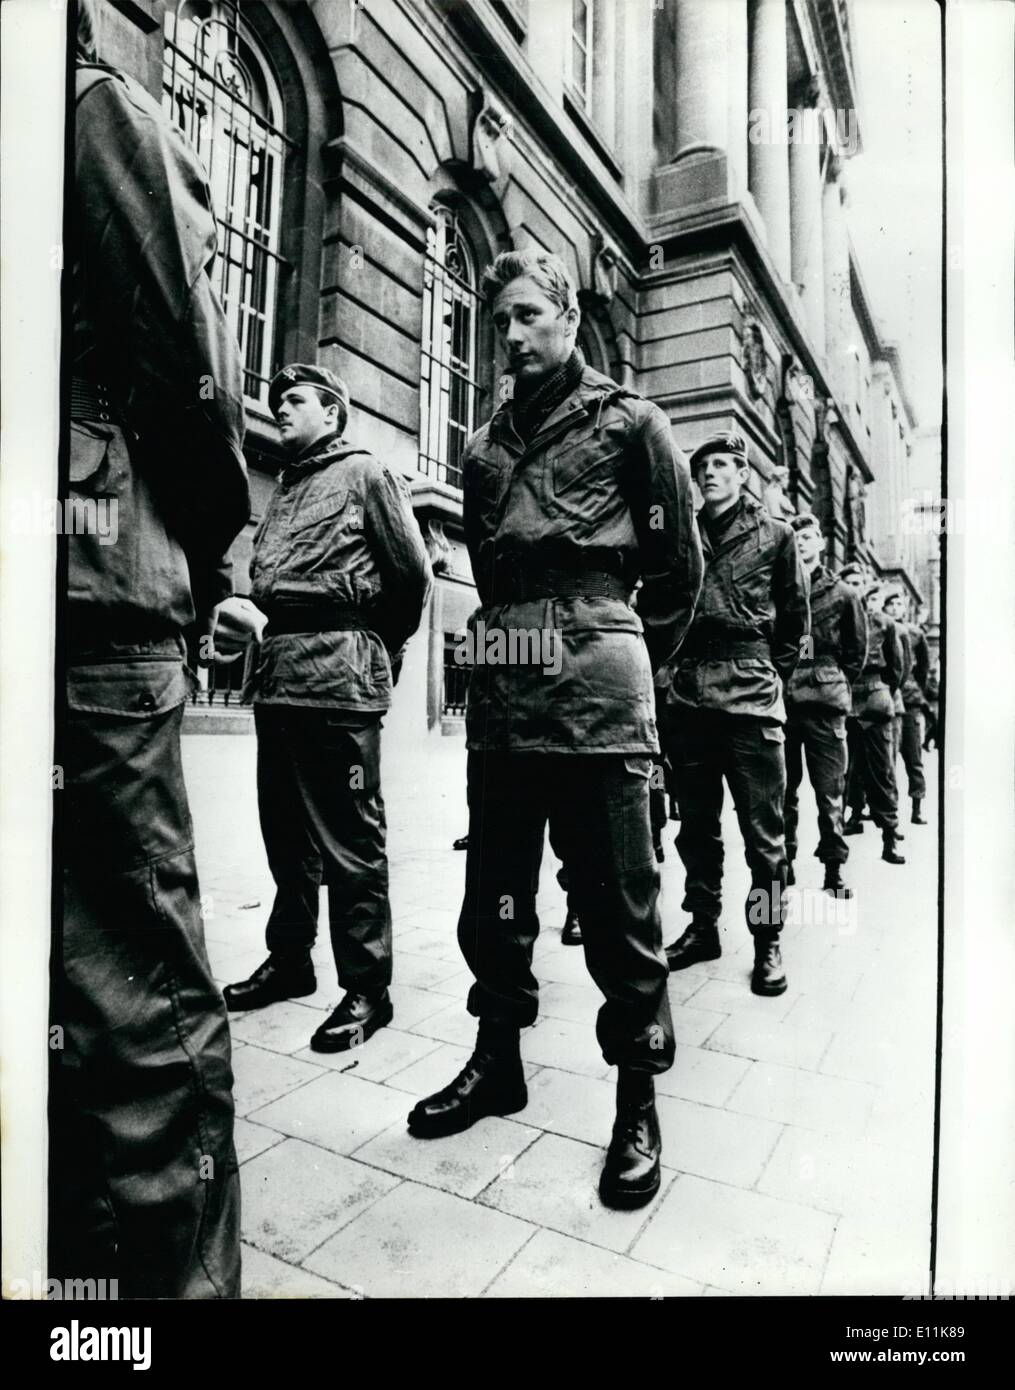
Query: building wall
(715, 275)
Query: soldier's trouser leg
(497, 926)
(563, 877)
(755, 768)
(896, 738)
(825, 742)
(879, 774)
(794, 776)
(600, 815)
(293, 855)
(144, 1185)
(912, 752)
(335, 761)
(694, 746)
(657, 801)
(855, 773)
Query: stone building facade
(688, 160)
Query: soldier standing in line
(871, 728)
(144, 1186)
(725, 710)
(340, 568)
(817, 702)
(885, 598)
(573, 492)
(914, 699)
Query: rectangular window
(580, 73)
(456, 679)
(448, 359)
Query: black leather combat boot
(699, 942)
(888, 852)
(854, 824)
(917, 817)
(357, 1018)
(768, 976)
(630, 1175)
(833, 883)
(491, 1083)
(790, 874)
(280, 977)
(572, 933)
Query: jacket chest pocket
(484, 483)
(749, 581)
(327, 514)
(583, 473)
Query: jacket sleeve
(895, 663)
(474, 535)
(396, 543)
(147, 241)
(791, 594)
(658, 491)
(921, 660)
(853, 636)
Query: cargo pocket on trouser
(614, 880)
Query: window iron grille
(222, 95)
(456, 679)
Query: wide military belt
(725, 649)
(523, 586)
(285, 619)
(94, 400)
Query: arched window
(449, 387)
(221, 92)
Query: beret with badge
(303, 374)
(725, 442)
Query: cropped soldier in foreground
(818, 700)
(572, 492)
(143, 1177)
(725, 710)
(340, 569)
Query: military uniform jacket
(834, 656)
(600, 485)
(751, 617)
(338, 534)
(148, 330)
(914, 681)
(874, 691)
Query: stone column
(768, 160)
(836, 257)
(710, 70)
(806, 234)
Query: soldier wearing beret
(818, 700)
(872, 766)
(573, 492)
(725, 711)
(144, 1182)
(914, 699)
(340, 569)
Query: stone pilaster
(768, 159)
(806, 232)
